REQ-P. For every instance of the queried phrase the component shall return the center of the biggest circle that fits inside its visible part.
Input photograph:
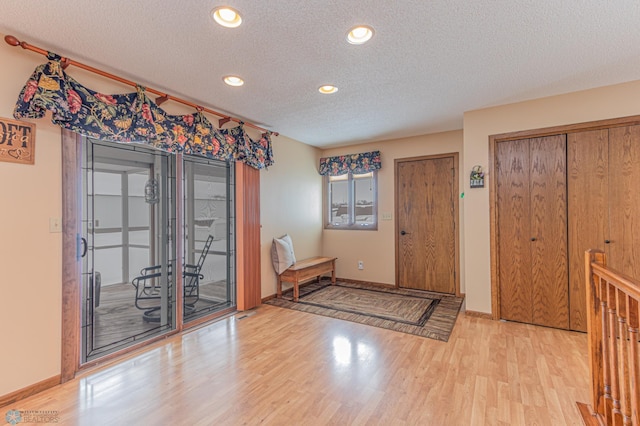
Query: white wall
(590, 105)
(290, 203)
(30, 256)
(377, 248)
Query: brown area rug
(422, 313)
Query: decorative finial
(12, 40)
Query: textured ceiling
(428, 62)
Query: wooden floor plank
(281, 366)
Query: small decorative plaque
(17, 141)
(476, 180)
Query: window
(352, 201)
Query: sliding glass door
(128, 246)
(209, 237)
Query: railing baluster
(613, 366)
(623, 370)
(614, 348)
(594, 330)
(608, 399)
(634, 371)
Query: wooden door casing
(426, 211)
(588, 211)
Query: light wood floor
(284, 367)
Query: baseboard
(476, 314)
(349, 280)
(265, 299)
(23, 393)
(289, 287)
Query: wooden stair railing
(612, 326)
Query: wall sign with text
(476, 180)
(17, 141)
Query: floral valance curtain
(133, 117)
(352, 163)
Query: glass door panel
(209, 244)
(128, 223)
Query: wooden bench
(305, 269)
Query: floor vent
(244, 315)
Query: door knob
(607, 241)
(404, 232)
(533, 238)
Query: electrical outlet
(360, 264)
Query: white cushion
(282, 255)
(286, 238)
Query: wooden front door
(532, 230)
(426, 212)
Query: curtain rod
(162, 97)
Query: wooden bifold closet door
(556, 197)
(623, 249)
(532, 231)
(588, 186)
(604, 206)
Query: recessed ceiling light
(233, 80)
(360, 34)
(327, 89)
(226, 16)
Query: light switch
(386, 216)
(55, 224)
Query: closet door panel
(514, 232)
(549, 257)
(588, 186)
(624, 212)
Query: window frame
(351, 204)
